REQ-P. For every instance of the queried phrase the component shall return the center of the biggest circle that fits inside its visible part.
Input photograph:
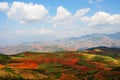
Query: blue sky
(44, 20)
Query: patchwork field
(59, 66)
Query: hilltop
(105, 51)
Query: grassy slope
(59, 65)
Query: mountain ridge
(68, 44)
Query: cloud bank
(102, 18)
(4, 6)
(29, 12)
(26, 13)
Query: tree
(4, 58)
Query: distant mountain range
(68, 44)
(94, 40)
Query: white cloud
(102, 18)
(81, 12)
(65, 18)
(4, 6)
(90, 1)
(34, 31)
(62, 18)
(93, 1)
(62, 14)
(26, 12)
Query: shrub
(4, 58)
(90, 78)
(91, 72)
(83, 63)
(57, 75)
(50, 70)
(42, 66)
(116, 69)
(7, 75)
(103, 59)
(82, 57)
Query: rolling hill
(68, 44)
(105, 51)
(59, 66)
(93, 40)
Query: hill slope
(93, 40)
(105, 51)
(59, 66)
